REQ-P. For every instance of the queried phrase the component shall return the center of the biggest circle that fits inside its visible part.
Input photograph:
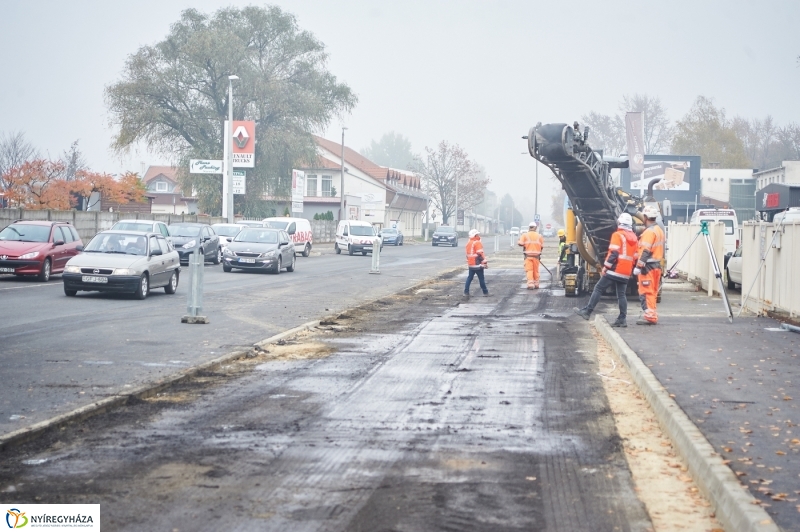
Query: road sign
(548, 226)
(298, 190)
(536, 218)
(205, 166)
(239, 182)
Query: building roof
(170, 172)
(353, 158)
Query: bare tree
(440, 169)
(73, 161)
(15, 151)
(607, 132)
(657, 128)
(788, 143)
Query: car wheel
(731, 284)
(337, 249)
(364, 253)
(455, 244)
(143, 288)
(218, 258)
(307, 250)
(202, 254)
(401, 241)
(290, 268)
(172, 286)
(434, 244)
(279, 267)
(226, 268)
(349, 250)
(44, 275)
(70, 293)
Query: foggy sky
(475, 73)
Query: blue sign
(536, 218)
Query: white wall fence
(696, 265)
(777, 288)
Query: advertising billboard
(674, 175)
(680, 178)
(244, 143)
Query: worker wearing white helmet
(532, 244)
(476, 261)
(648, 266)
(617, 269)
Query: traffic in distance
(137, 256)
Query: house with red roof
(162, 185)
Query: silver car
(149, 226)
(261, 249)
(124, 262)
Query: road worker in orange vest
(617, 269)
(476, 260)
(648, 266)
(532, 244)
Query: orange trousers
(648, 293)
(532, 271)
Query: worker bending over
(532, 244)
(617, 269)
(648, 267)
(476, 260)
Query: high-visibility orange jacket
(475, 255)
(532, 244)
(651, 248)
(622, 254)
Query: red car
(30, 247)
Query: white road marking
(32, 286)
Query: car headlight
(124, 271)
(31, 255)
(72, 269)
(189, 244)
(227, 252)
(268, 254)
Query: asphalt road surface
(422, 411)
(59, 353)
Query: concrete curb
(731, 501)
(26, 434)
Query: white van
(299, 230)
(726, 216)
(355, 236)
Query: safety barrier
(696, 265)
(777, 288)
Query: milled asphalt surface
(737, 382)
(62, 353)
(431, 413)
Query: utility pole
(342, 216)
(227, 187)
(456, 224)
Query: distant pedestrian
(476, 260)
(532, 244)
(648, 267)
(617, 270)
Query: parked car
(150, 226)
(226, 232)
(790, 215)
(445, 235)
(299, 230)
(355, 236)
(514, 231)
(733, 270)
(38, 248)
(727, 217)
(260, 248)
(188, 237)
(124, 262)
(392, 236)
(251, 223)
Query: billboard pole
(229, 146)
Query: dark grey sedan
(261, 249)
(187, 237)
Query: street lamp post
(228, 190)
(341, 200)
(456, 224)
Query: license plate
(6, 270)
(249, 261)
(93, 279)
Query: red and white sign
(244, 143)
(548, 226)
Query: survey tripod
(717, 273)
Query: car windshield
(389, 231)
(184, 230)
(123, 243)
(132, 226)
(445, 229)
(277, 225)
(260, 236)
(226, 230)
(728, 224)
(26, 233)
(362, 230)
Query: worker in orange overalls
(617, 269)
(532, 244)
(476, 260)
(648, 266)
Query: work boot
(645, 322)
(486, 294)
(619, 323)
(536, 286)
(583, 313)
(466, 295)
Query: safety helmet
(473, 232)
(533, 224)
(625, 219)
(561, 232)
(650, 211)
